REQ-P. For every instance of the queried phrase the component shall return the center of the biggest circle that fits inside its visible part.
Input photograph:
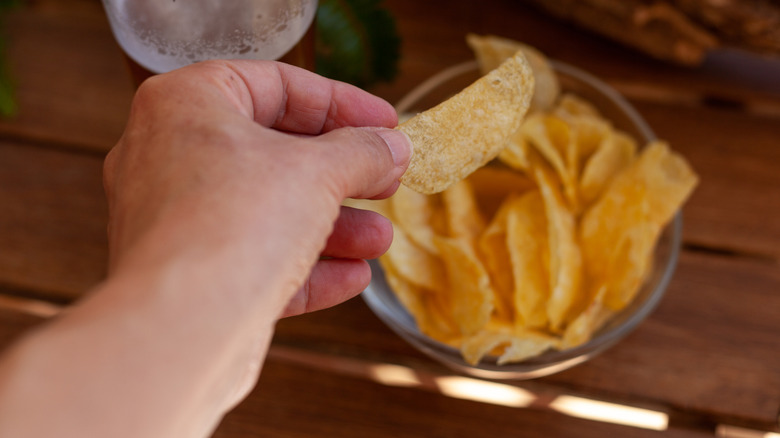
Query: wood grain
(72, 86)
(53, 220)
(292, 400)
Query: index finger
(292, 99)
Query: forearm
(160, 349)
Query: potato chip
(493, 50)
(571, 107)
(526, 239)
(565, 255)
(587, 322)
(588, 126)
(464, 219)
(468, 285)
(493, 250)
(615, 153)
(669, 178)
(494, 184)
(484, 342)
(618, 233)
(515, 154)
(552, 138)
(461, 134)
(506, 342)
(527, 344)
(588, 134)
(415, 214)
(413, 263)
(425, 306)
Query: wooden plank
(296, 401)
(72, 85)
(705, 349)
(53, 218)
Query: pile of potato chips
(538, 249)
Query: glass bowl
(383, 302)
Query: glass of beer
(161, 35)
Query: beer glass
(162, 35)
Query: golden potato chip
(668, 176)
(482, 343)
(464, 218)
(619, 231)
(552, 138)
(468, 285)
(526, 239)
(510, 344)
(515, 154)
(494, 252)
(615, 153)
(565, 255)
(588, 125)
(571, 107)
(492, 50)
(587, 322)
(495, 183)
(425, 306)
(414, 263)
(633, 257)
(527, 344)
(415, 214)
(461, 134)
(588, 134)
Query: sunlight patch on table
(610, 412)
(484, 391)
(726, 431)
(491, 392)
(394, 375)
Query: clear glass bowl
(381, 299)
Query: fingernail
(399, 144)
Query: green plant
(7, 101)
(357, 42)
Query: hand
(225, 151)
(225, 210)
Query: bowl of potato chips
(551, 252)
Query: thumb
(365, 162)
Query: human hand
(260, 156)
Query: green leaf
(7, 97)
(357, 42)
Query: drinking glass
(162, 35)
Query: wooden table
(707, 362)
